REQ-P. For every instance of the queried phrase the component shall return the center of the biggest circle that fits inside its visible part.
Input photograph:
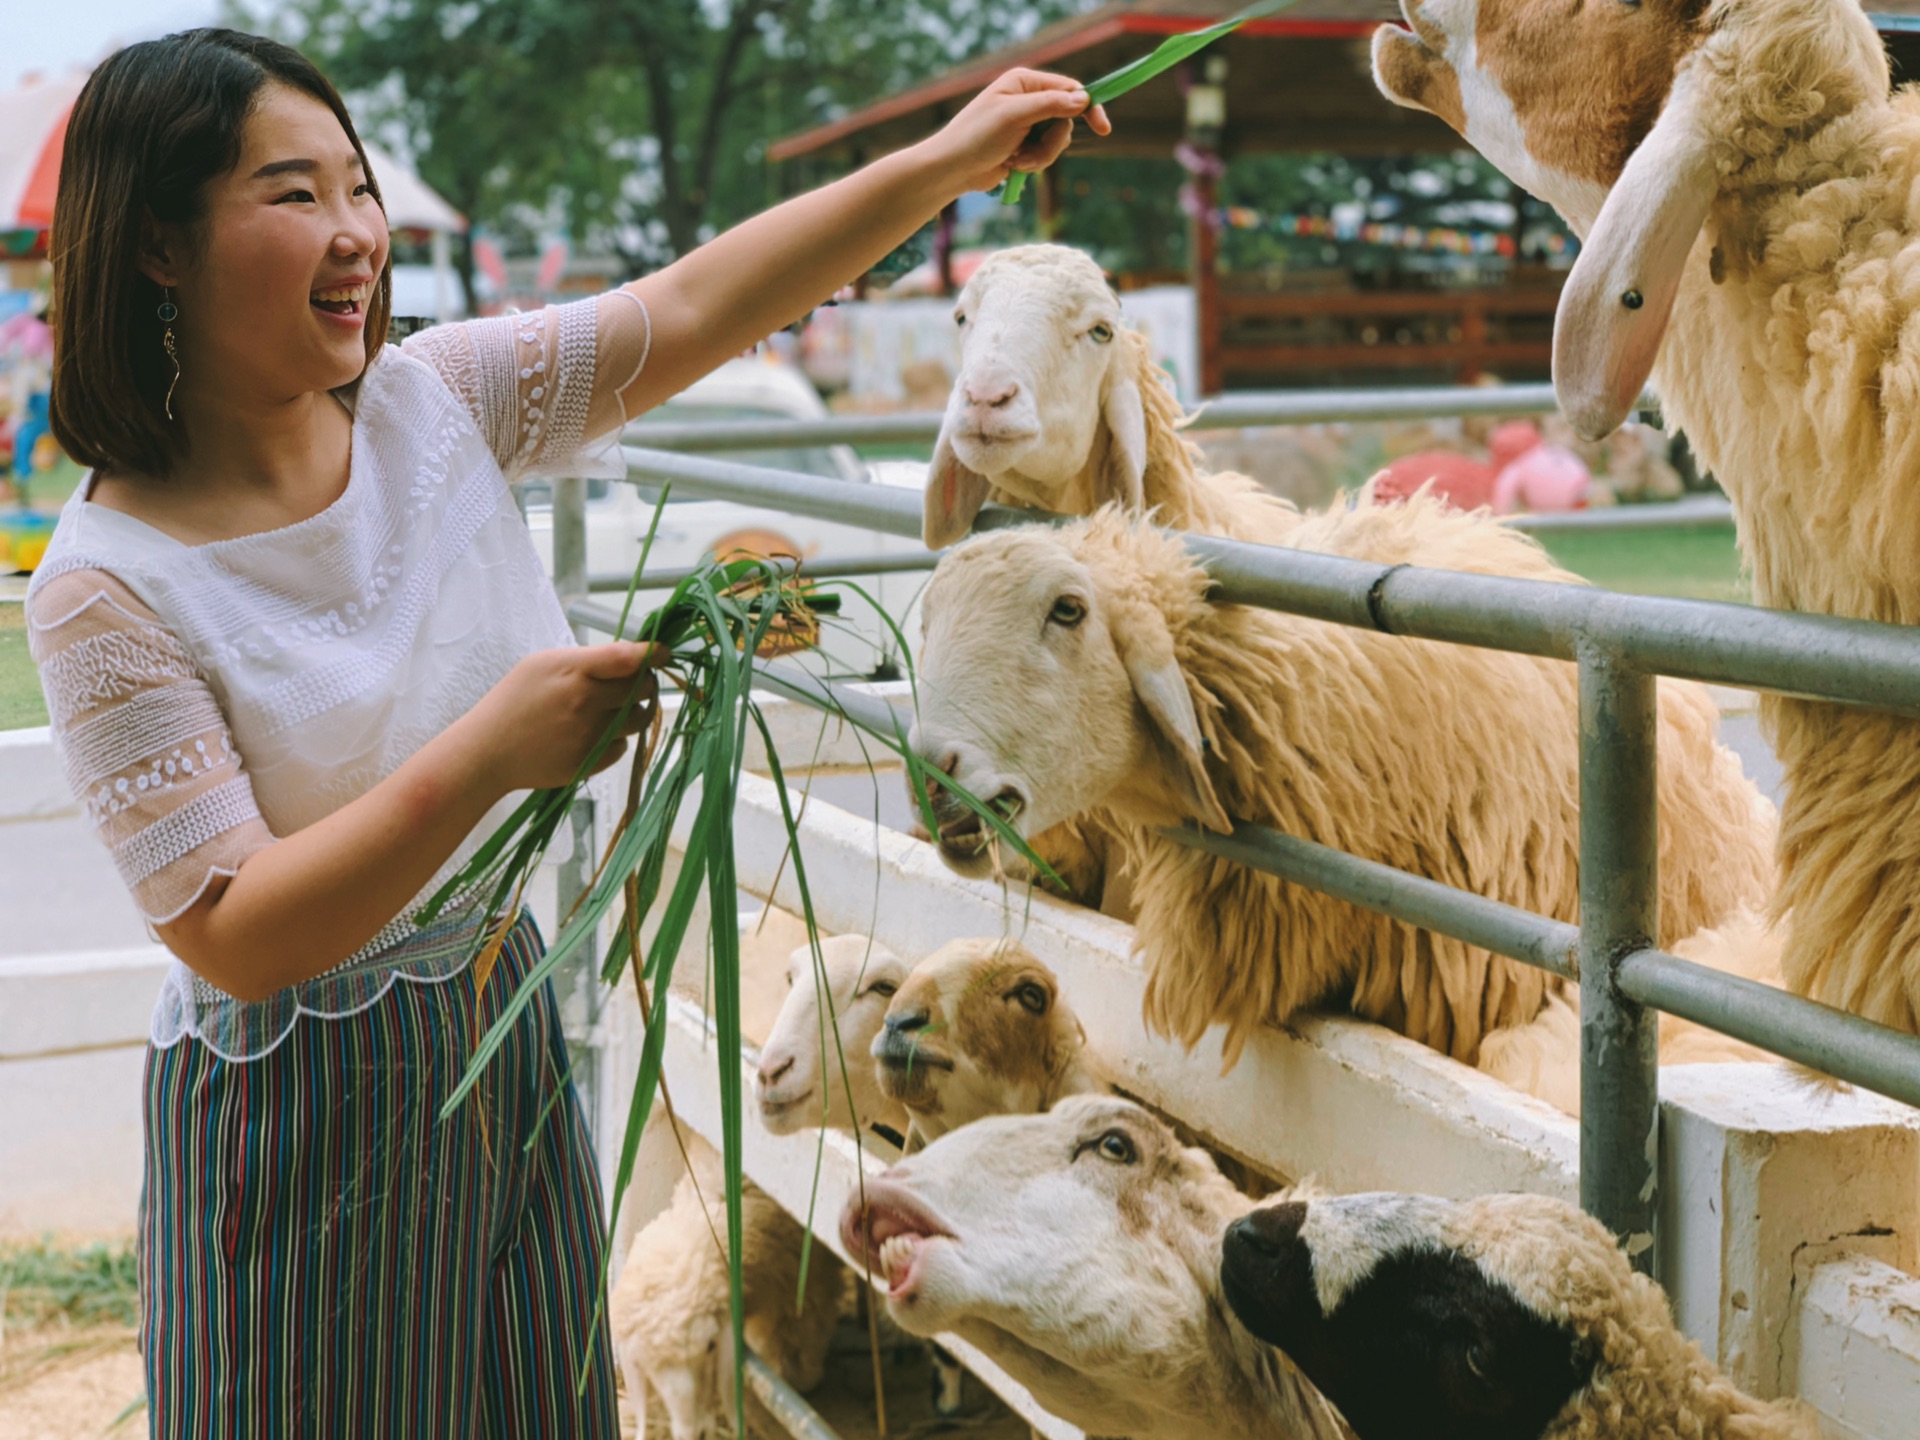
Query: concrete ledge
(1858, 1349)
(32, 784)
(81, 1000)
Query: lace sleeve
(145, 746)
(544, 387)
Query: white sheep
(979, 1028)
(1749, 195)
(1057, 406)
(1503, 1316)
(1083, 668)
(816, 1071)
(671, 1313)
(1080, 1250)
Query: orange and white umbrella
(33, 128)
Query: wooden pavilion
(1299, 81)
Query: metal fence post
(1619, 914)
(577, 984)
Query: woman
(300, 657)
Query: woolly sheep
(1507, 1317)
(1080, 1250)
(671, 1311)
(1749, 193)
(979, 1029)
(1450, 761)
(1058, 407)
(860, 977)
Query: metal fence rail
(1619, 643)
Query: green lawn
(1692, 563)
(21, 704)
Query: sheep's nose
(1270, 1231)
(772, 1070)
(991, 394)
(908, 1021)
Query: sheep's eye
(882, 987)
(1116, 1146)
(1477, 1354)
(1067, 612)
(959, 317)
(1032, 998)
(1101, 333)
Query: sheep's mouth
(903, 1064)
(776, 1109)
(890, 1231)
(967, 835)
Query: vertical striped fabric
(320, 1255)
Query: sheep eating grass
(1083, 668)
(977, 1029)
(1749, 196)
(1080, 1250)
(1507, 1317)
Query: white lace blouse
(208, 698)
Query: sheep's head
(1046, 376)
(1088, 1234)
(800, 1081)
(1499, 1318)
(1625, 114)
(977, 1029)
(1049, 681)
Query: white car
(753, 388)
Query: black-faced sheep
(979, 1029)
(1080, 1250)
(1749, 193)
(671, 1313)
(1058, 407)
(1083, 668)
(819, 1071)
(1508, 1317)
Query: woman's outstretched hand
(1022, 121)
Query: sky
(51, 35)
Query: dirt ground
(71, 1384)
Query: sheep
(671, 1311)
(1058, 407)
(1506, 1317)
(1542, 1057)
(979, 1028)
(1080, 1250)
(813, 1074)
(1450, 761)
(1749, 196)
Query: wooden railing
(1461, 333)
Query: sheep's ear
(954, 494)
(1126, 419)
(1146, 649)
(1617, 302)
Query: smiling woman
(301, 660)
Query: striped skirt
(320, 1255)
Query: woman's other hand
(1022, 121)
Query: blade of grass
(1170, 52)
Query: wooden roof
(1298, 81)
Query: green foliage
(43, 1284)
(641, 126)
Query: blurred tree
(639, 125)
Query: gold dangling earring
(168, 313)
